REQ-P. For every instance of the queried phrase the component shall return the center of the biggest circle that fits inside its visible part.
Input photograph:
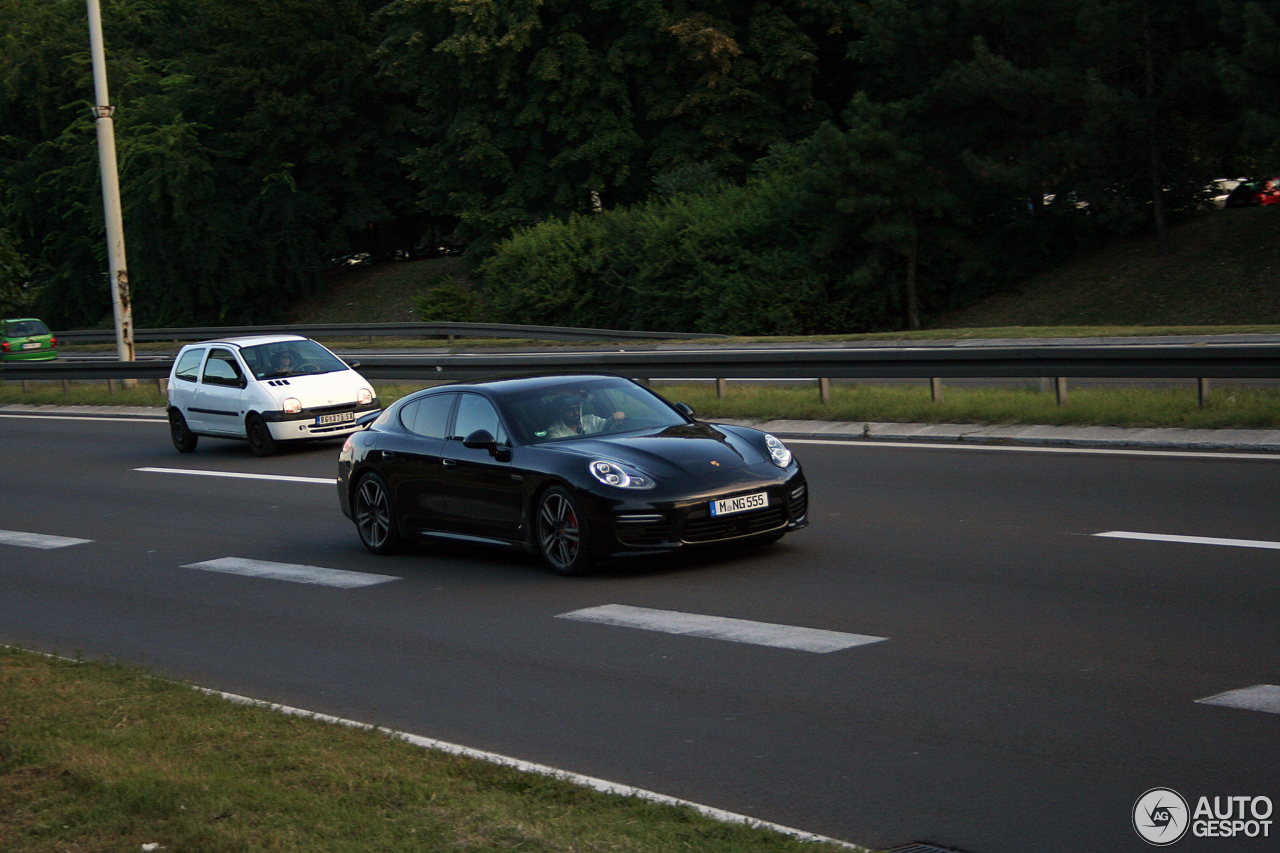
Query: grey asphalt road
(1035, 678)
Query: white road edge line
(601, 785)
(325, 481)
(591, 782)
(1189, 540)
(38, 540)
(721, 628)
(1007, 448)
(1259, 697)
(291, 572)
(117, 418)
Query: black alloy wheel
(260, 440)
(375, 520)
(562, 533)
(183, 438)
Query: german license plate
(339, 418)
(742, 503)
(31, 345)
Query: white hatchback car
(265, 389)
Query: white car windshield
(290, 358)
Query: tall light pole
(121, 304)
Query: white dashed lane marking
(1259, 697)
(38, 540)
(291, 572)
(1189, 540)
(721, 628)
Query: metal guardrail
(1137, 362)
(384, 330)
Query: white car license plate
(742, 503)
(31, 345)
(341, 417)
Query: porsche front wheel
(562, 533)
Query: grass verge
(1230, 407)
(101, 756)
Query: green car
(26, 340)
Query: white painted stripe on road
(721, 628)
(38, 540)
(906, 444)
(290, 572)
(602, 785)
(1190, 540)
(117, 418)
(1259, 697)
(324, 481)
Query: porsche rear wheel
(562, 533)
(374, 517)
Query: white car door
(220, 392)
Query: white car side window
(188, 366)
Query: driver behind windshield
(572, 420)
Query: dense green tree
(536, 109)
(254, 140)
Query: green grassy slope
(1222, 271)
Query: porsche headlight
(292, 405)
(619, 476)
(777, 451)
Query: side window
(475, 412)
(428, 416)
(188, 367)
(222, 369)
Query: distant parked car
(26, 339)
(265, 389)
(1254, 191)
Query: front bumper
(321, 421)
(635, 527)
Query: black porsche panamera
(576, 468)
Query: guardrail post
(111, 386)
(935, 390)
(1060, 386)
(1203, 392)
(722, 388)
(66, 386)
(824, 390)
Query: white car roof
(251, 340)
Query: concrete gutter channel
(1153, 438)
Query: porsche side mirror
(482, 439)
(685, 409)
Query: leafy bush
(448, 301)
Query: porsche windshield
(594, 407)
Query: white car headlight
(777, 451)
(619, 476)
(364, 396)
(292, 405)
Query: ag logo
(1160, 816)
